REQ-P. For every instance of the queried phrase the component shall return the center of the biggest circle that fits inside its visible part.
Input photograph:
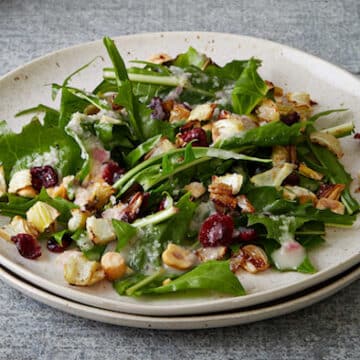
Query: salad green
(174, 175)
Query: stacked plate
(270, 293)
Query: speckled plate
(291, 69)
(244, 316)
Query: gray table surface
(329, 29)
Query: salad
(174, 175)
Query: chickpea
(113, 265)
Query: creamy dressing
(52, 158)
(181, 75)
(223, 96)
(290, 255)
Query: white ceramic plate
(184, 322)
(291, 69)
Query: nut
(211, 253)
(331, 191)
(304, 195)
(310, 173)
(27, 191)
(196, 189)
(268, 111)
(280, 155)
(251, 258)
(178, 257)
(222, 195)
(202, 112)
(179, 112)
(233, 180)
(245, 205)
(166, 282)
(335, 206)
(3, 187)
(160, 58)
(94, 197)
(163, 146)
(113, 265)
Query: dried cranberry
(158, 111)
(43, 176)
(246, 234)
(55, 247)
(27, 245)
(162, 204)
(196, 135)
(293, 179)
(357, 136)
(112, 172)
(217, 230)
(290, 119)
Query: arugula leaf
(69, 105)
(324, 113)
(310, 241)
(191, 58)
(274, 133)
(144, 252)
(249, 89)
(306, 267)
(17, 205)
(178, 226)
(150, 172)
(88, 248)
(230, 71)
(335, 171)
(58, 236)
(211, 275)
(38, 145)
(51, 117)
(121, 285)
(277, 227)
(95, 253)
(125, 95)
(124, 232)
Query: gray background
(329, 29)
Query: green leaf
(135, 155)
(51, 117)
(249, 89)
(191, 58)
(124, 233)
(58, 236)
(88, 248)
(230, 71)
(306, 267)
(310, 241)
(17, 205)
(178, 226)
(122, 285)
(271, 134)
(334, 170)
(280, 228)
(95, 253)
(39, 144)
(69, 105)
(211, 275)
(324, 113)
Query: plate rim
(204, 321)
(185, 308)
